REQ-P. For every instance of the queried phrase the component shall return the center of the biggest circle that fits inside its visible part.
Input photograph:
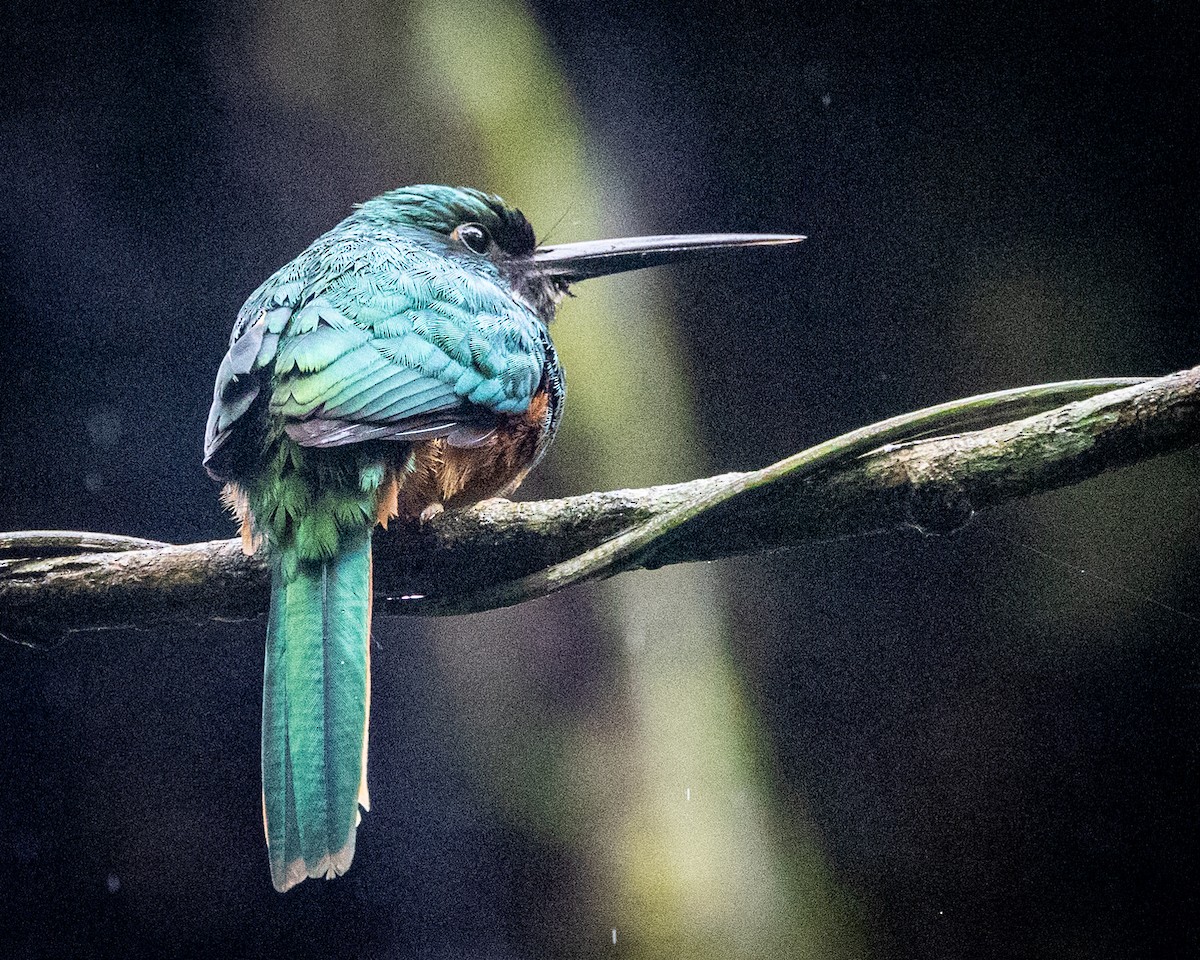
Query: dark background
(991, 737)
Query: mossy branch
(500, 553)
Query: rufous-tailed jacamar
(401, 364)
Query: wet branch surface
(498, 553)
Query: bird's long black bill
(596, 258)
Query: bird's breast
(450, 476)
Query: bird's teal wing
(387, 341)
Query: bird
(399, 366)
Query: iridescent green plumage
(382, 334)
(384, 321)
(316, 711)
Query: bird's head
(483, 230)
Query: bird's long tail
(316, 706)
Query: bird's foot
(431, 512)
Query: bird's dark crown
(442, 209)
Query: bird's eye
(472, 236)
